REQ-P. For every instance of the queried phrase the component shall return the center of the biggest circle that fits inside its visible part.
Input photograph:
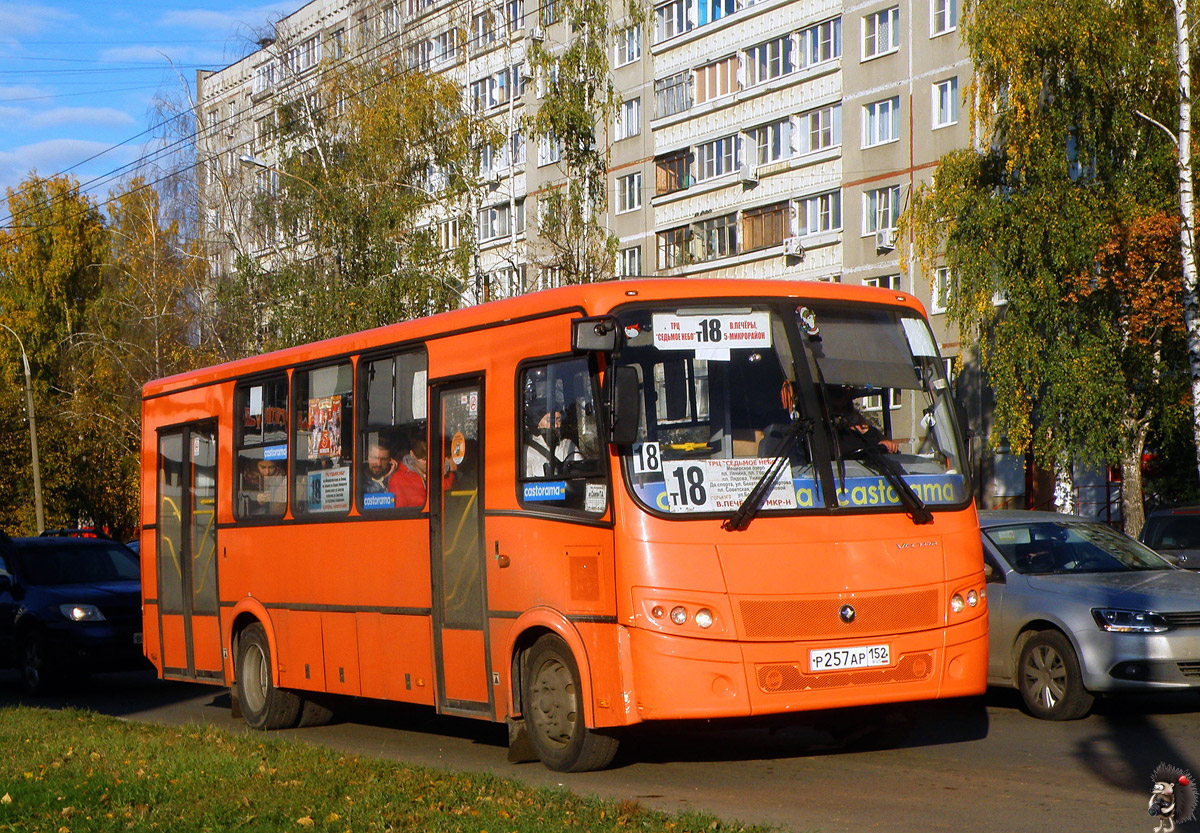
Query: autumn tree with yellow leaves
(1060, 208)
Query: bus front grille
(821, 618)
(778, 678)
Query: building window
(445, 46)
(717, 237)
(516, 146)
(712, 10)
(939, 299)
(496, 221)
(771, 142)
(673, 94)
(769, 60)
(671, 172)
(483, 29)
(629, 262)
(415, 7)
(820, 213)
(821, 129)
(883, 282)
(881, 209)
(629, 192)
(514, 14)
(448, 234)
(765, 226)
(943, 17)
(549, 12)
(821, 43)
(264, 77)
(420, 55)
(672, 247)
(549, 150)
(338, 40)
(393, 436)
(389, 20)
(945, 103)
(629, 45)
(881, 122)
(671, 19)
(717, 79)
(629, 119)
(881, 33)
(717, 158)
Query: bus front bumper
(682, 677)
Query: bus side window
(560, 461)
(392, 438)
(260, 438)
(321, 447)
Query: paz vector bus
(573, 511)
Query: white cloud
(55, 155)
(81, 116)
(21, 93)
(231, 22)
(29, 18)
(167, 55)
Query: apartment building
(752, 138)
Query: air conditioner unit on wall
(537, 34)
(792, 248)
(885, 241)
(748, 174)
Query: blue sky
(79, 78)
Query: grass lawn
(66, 771)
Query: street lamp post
(33, 445)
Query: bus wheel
(553, 710)
(263, 705)
(1049, 678)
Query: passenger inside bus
(549, 431)
(263, 490)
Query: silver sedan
(1077, 609)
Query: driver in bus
(540, 461)
(855, 431)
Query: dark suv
(1174, 534)
(68, 606)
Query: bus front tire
(1049, 678)
(263, 705)
(551, 696)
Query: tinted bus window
(322, 446)
(392, 473)
(260, 483)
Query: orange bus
(573, 511)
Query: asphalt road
(979, 765)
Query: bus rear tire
(551, 697)
(264, 706)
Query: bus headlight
(657, 612)
(972, 598)
(956, 603)
(679, 614)
(704, 618)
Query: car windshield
(67, 564)
(1071, 547)
(854, 397)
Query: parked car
(1175, 535)
(68, 606)
(1078, 609)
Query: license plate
(861, 656)
(137, 638)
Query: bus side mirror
(626, 405)
(594, 334)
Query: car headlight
(81, 613)
(1129, 621)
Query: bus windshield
(855, 399)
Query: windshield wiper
(750, 507)
(876, 459)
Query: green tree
(580, 101)
(1052, 214)
(50, 256)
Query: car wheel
(1049, 678)
(37, 672)
(263, 705)
(551, 696)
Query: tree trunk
(1064, 488)
(1133, 511)
(1191, 302)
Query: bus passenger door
(460, 650)
(186, 552)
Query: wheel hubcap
(554, 711)
(256, 676)
(1045, 676)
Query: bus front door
(460, 645)
(186, 553)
